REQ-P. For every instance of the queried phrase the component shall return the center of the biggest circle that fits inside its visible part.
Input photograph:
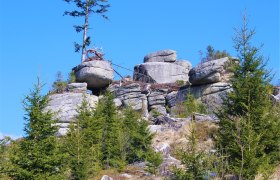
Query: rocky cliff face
(154, 89)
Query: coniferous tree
(85, 8)
(248, 130)
(108, 126)
(138, 138)
(37, 155)
(81, 145)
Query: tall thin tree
(84, 9)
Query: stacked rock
(162, 67)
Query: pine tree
(37, 155)
(85, 8)
(248, 133)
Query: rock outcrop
(162, 67)
(65, 105)
(161, 56)
(210, 94)
(130, 95)
(210, 72)
(97, 74)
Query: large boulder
(65, 107)
(162, 72)
(161, 56)
(97, 74)
(210, 72)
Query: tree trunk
(85, 34)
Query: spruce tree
(77, 144)
(138, 138)
(107, 127)
(37, 155)
(247, 133)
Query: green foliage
(71, 77)
(154, 160)
(59, 85)
(212, 54)
(104, 138)
(180, 82)
(138, 137)
(189, 106)
(249, 124)
(4, 148)
(196, 161)
(79, 144)
(37, 155)
(155, 113)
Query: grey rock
(204, 117)
(97, 74)
(157, 97)
(164, 148)
(158, 108)
(210, 94)
(161, 56)
(155, 128)
(65, 105)
(137, 103)
(184, 63)
(209, 72)
(127, 176)
(77, 87)
(131, 95)
(62, 132)
(106, 177)
(160, 72)
(118, 102)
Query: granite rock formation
(97, 74)
(162, 67)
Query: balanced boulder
(210, 72)
(97, 74)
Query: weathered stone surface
(118, 102)
(209, 72)
(160, 72)
(158, 108)
(137, 103)
(161, 56)
(97, 74)
(62, 131)
(77, 87)
(131, 95)
(65, 105)
(211, 94)
(157, 97)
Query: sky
(35, 38)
